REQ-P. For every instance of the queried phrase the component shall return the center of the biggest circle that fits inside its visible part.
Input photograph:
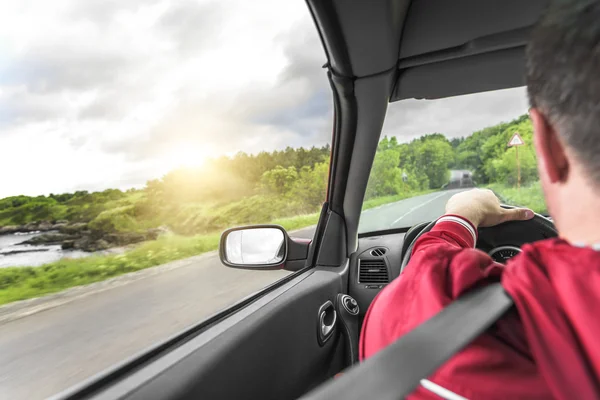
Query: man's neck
(578, 219)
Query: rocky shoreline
(42, 226)
(78, 236)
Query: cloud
(455, 116)
(292, 108)
(301, 100)
(190, 24)
(102, 12)
(110, 93)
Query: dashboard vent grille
(372, 271)
(378, 252)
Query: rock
(41, 226)
(101, 245)
(5, 230)
(61, 222)
(30, 227)
(125, 238)
(153, 234)
(68, 244)
(79, 236)
(58, 226)
(87, 244)
(44, 226)
(73, 228)
(49, 238)
(7, 253)
(82, 244)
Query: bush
(386, 177)
(119, 219)
(530, 196)
(27, 282)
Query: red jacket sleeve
(443, 266)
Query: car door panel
(267, 350)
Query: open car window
(432, 149)
(132, 133)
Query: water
(32, 256)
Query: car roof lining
(500, 69)
(441, 56)
(365, 38)
(434, 25)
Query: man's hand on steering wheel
(482, 208)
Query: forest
(281, 187)
(258, 188)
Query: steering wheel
(538, 222)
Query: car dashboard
(378, 258)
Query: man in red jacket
(549, 346)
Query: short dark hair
(563, 76)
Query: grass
(28, 282)
(20, 283)
(530, 196)
(298, 222)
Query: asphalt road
(49, 351)
(405, 213)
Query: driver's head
(563, 82)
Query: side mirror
(265, 247)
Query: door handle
(325, 328)
(327, 318)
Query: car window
(432, 149)
(132, 133)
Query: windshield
(432, 149)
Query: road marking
(417, 207)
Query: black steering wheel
(538, 221)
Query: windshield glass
(432, 149)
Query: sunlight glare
(185, 155)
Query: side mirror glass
(259, 247)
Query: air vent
(372, 271)
(378, 252)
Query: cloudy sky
(111, 93)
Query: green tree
(504, 169)
(311, 187)
(434, 155)
(279, 180)
(386, 177)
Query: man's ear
(549, 148)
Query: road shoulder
(24, 308)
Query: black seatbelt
(396, 371)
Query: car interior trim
(500, 248)
(155, 378)
(434, 25)
(372, 96)
(383, 232)
(484, 44)
(501, 69)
